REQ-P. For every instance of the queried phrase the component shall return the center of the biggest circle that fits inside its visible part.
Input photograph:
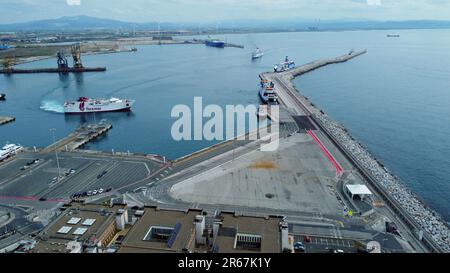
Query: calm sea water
(395, 99)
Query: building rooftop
(265, 232)
(152, 232)
(193, 231)
(85, 223)
(359, 190)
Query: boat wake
(52, 106)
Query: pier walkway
(415, 216)
(80, 137)
(52, 70)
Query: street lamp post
(56, 153)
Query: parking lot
(89, 172)
(325, 244)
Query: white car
(100, 191)
(95, 192)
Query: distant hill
(77, 23)
(68, 23)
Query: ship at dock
(267, 93)
(215, 42)
(86, 105)
(284, 66)
(9, 150)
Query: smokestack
(199, 229)
(284, 236)
(120, 220)
(216, 226)
(125, 214)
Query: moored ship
(267, 94)
(284, 66)
(86, 105)
(9, 150)
(215, 42)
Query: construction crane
(76, 54)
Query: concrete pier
(4, 120)
(80, 137)
(52, 70)
(404, 205)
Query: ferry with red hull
(86, 105)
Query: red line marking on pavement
(327, 154)
(31, 198)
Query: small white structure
(374, 247)
(74, 247)
(285, 244)
(200, 223)
(358, 190)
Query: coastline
(41, 58)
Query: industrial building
(194, 231)
(82, 228)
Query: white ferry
(258, 53)
(86, 105)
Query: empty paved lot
(296, 177)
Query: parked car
(299, 246)
(102, 174)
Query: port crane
(76, 55)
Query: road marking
(333, 161)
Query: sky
(13, 11)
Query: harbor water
(395, 99)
